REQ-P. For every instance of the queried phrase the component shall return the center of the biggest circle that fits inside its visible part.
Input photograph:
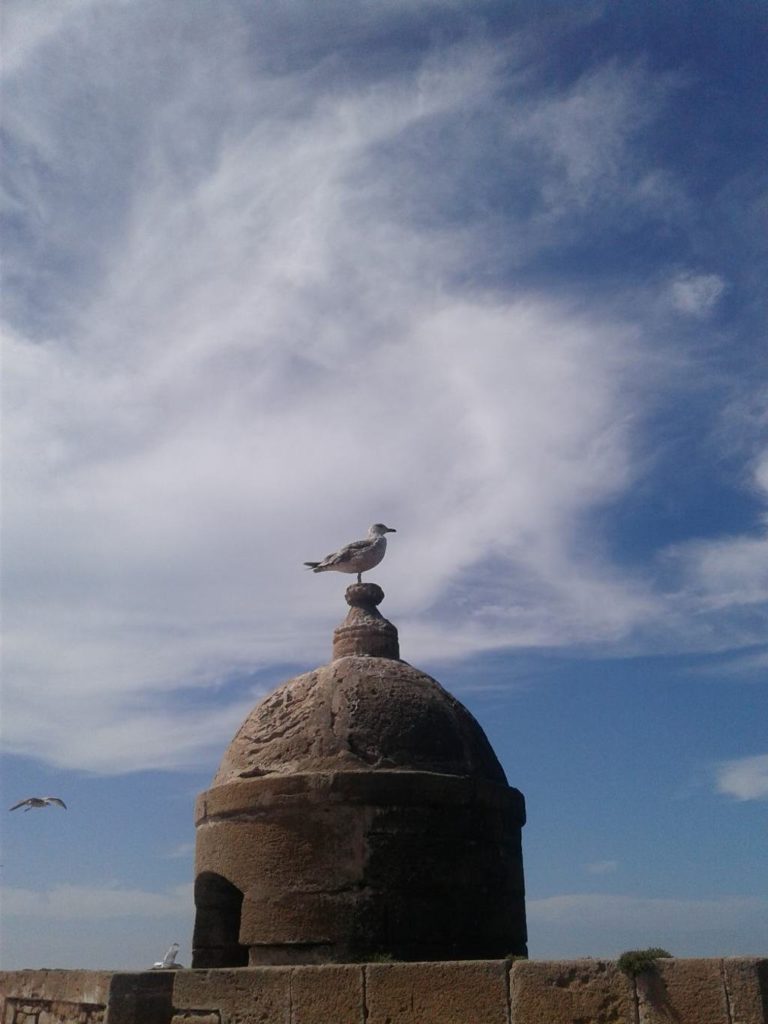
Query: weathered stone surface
(45, 1011)
(384, 789)
(86, 997)
(683, 992)
(570, 991)
(746, 986)
(470, 992)
(359, 809)
(332, 994)
(365, 632)
(240, 996)
(360, 713)
(53, 997)
(338, 866)
(87, 987)
(143, 996)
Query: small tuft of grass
(638, 961)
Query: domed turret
(359, 810)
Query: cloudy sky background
(492, 273)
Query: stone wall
(715, 991)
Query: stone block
(46, 1011)
(290, 846)
(570, 991)
(143, 996)
(450, 992)
(53, 997)
(301, 918)
(241, 995)
(682, 992)
(746, 985)
(331, 994)
(88, 987)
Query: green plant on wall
(637, 961)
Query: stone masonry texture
(713, 991)
(332, 992)
(359, 810)
(746, 986)
(683, 989)
(588, 991)
(452, 993)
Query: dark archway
(218, 905)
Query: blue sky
(493, 273)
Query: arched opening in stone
(218, 906)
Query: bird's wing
(55, 800)
(21, 803)
(343, 554)
(170, 956)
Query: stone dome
(357, 714)
(359, 810)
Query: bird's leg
(359, 577)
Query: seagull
(359, 556)
(168, 963)
(38, 801)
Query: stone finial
(365, 632)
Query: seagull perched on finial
(359, 556)
(38, 801)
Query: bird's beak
(391, 529)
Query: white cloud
(601, 867)
(28, 24)
(696, 294)
(745, 778)
(268, 347)
(604, 925)
(268, 363)
(86, 903)
(98, 928)
(584, 135)
(761, 469)
(721, 595)
(167, 535)
(182, 851)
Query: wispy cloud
(600, 924)
(696, 294)
(601, 867)
(731, 571)
(85, 903)
(182, 851)
(745, 778)
(107, 927)
(275, 311)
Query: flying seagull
(168, 963)
(359, 556)
(38, 801)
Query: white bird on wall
(38, 801)
(359, 556)
(168, 963)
